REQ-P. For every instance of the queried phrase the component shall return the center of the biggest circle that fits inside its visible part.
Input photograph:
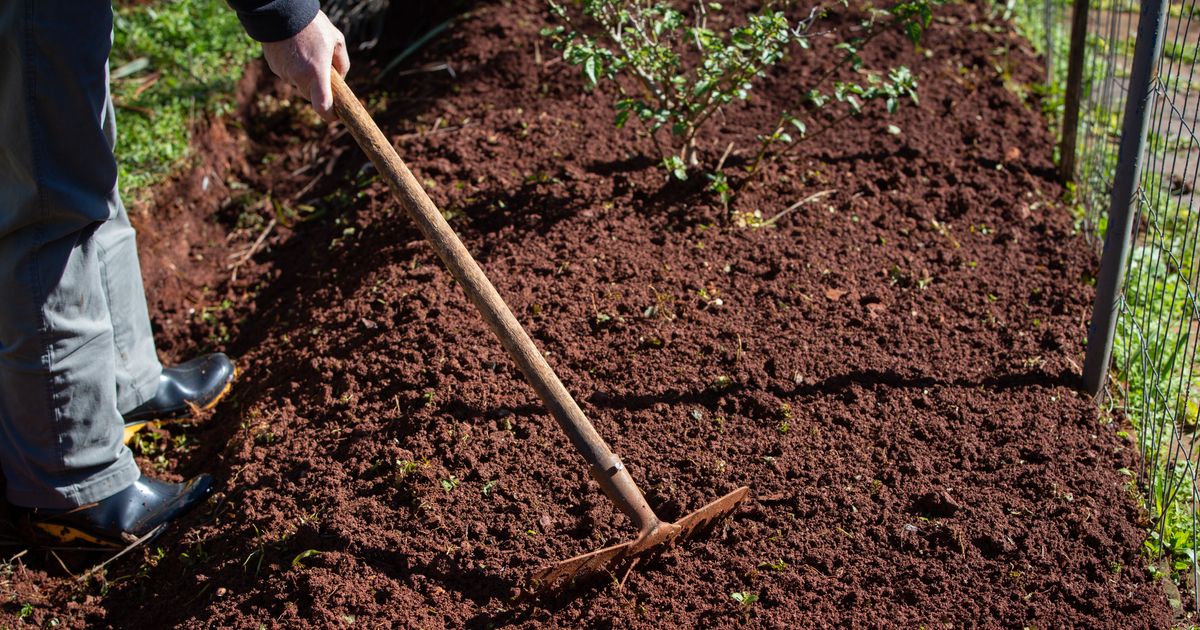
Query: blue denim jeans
(75, 342)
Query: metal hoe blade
(609, 558)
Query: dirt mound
(891, 368)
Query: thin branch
(809, 199)
(724, 156)
(861, 43)
(754, 168)
(253, 249)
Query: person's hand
(305, 59)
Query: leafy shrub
(673, 71)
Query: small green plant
(719, 184)
(899, 85)
(407, 466)
(298, 561)
(745, 599)
(194, 555)
(257, 555)
(450, 484)
(777, 565)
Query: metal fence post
(1074, 93)
(1119, 239)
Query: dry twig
(809, 199)
(137, 543)
(249, 253)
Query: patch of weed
(172, 63)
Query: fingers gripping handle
(606, 468)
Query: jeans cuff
(120, 475)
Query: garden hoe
(605, 467)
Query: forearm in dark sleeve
(275, 20)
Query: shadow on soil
(838, 384)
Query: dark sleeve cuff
(275, 20)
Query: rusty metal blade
(609, 558)
(583, 564)
(698, 520)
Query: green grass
(197, 50)
(1183, 52)
(1154, 365)
(1183, 10)
(1028, 16)
(1153, 355)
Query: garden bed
(890, 367)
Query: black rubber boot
(196, 384)
(114, 522)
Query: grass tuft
(173, 63)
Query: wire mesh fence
(1153, 377)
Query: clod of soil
(891, 368)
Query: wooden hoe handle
(606, 467)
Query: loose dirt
(891, 367)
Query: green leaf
(745, 598)
(622, 118)
(589, 69)
(298, 561)
(913, 30)
(674, 164)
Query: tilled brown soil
(891, 367)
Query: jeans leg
(138, 367)
(60, 429)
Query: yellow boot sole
(132, 428)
